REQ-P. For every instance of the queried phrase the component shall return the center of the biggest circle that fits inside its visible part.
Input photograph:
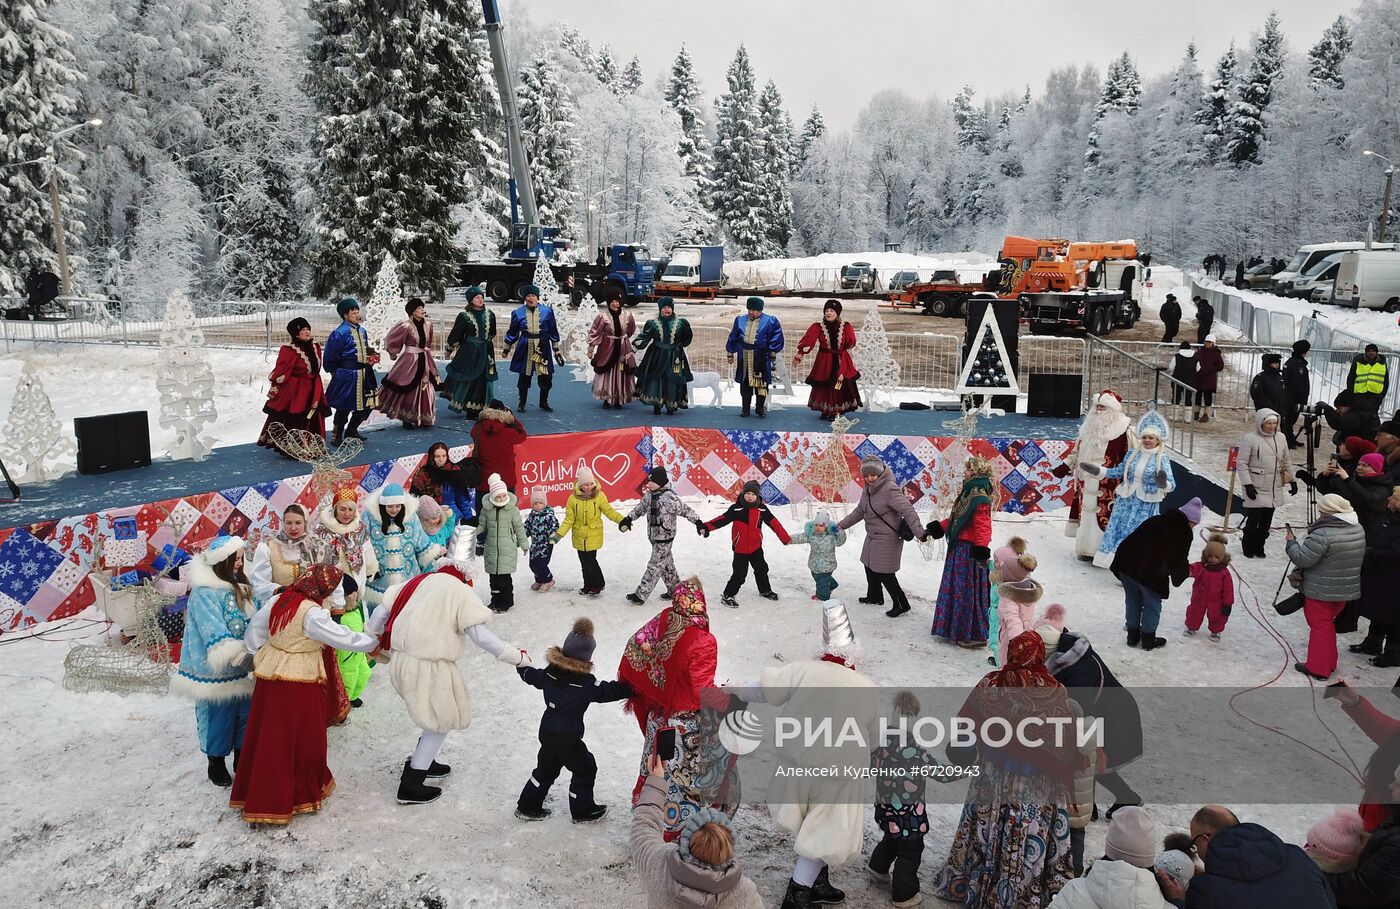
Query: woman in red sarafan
(834, 374)
(297, 398)
(282, 768)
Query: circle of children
(276, 654)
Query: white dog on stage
(711, 380)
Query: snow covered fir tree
(547, 120)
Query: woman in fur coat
(423, 628)
(398, 539)
(610, 353)
(1146, 475)
(213, 666)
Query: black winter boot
(218, 773)
(823, 894)
(762, 406)
(521, 405)
(1390, 656)
(544, 401)
(1134, 636)
(797, 896)
(435, 771)
(412, 791)
(1371, 645)
(746, 396)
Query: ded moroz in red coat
(297, 397)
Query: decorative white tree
(33, 435)
(185, 380)
(875, 359)
(582, 320)
(385, 306)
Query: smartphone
(1334, 690)
(666, 743)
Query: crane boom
(522, 187)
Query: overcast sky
(818, 54)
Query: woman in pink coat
(409, 391)
(610, 353)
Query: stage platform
(575, 410)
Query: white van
(1308, 256)
(1368, 279)
(1316, 283)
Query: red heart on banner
(611, 468)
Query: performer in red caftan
(282, 768)
(834, 374)
(297, 398)
(409, 391)
(1103, 439)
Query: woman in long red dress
(282, 770)
(834, 374)
(297, 398)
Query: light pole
(1385, 198)
(593, 250)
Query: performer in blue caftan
(353, 391)
(754, 344)
(535, 337)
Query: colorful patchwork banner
(44, 567)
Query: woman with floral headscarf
(965, 594)
(283, 768)
(297, 397)
(1146, 475)
(669, 663)
(1012, 845)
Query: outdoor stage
(47, 550)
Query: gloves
(1293, 488)
(515, 657)
(1305, 476)
(624, 525)
(1092, 470)
(981, 553)
(1161, 479)
(701, 529)
(1250, 492)
(505, 351)
(934, 530)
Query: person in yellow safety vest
(1368, 380)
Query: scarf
(1023, 687)
(975, 491)
(317, 583)
(751, 356)
(653, 655)
(448, 474)
(308, 547)
(344, 543)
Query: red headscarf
(657, 660)
(1024, 688)
(317, 583)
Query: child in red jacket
(1212, 589)
(748, 514)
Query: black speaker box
(1053, 395)
(114, 441)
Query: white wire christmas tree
(879, 373)
(385, 307)
(33, 435)
(185, 381)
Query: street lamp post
(1385, 197)
(60, 244)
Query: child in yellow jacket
(583, 515)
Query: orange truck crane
(1060, 285)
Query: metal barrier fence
(1140, 381)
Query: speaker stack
(114, 441)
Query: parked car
(858, 276)
(1317, 278)
(1260, 277)
(903, 279)
(1368, 279)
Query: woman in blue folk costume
(1146, 475)
(398, 539)
(214, 665)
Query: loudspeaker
(114, 441)
(1053, 395)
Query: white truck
(1368, 279)
(1309, 255)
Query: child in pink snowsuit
(1212, 589)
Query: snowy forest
(255, 149)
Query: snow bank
(812, 269)
(1364, 323)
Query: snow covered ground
(86, 380)
(1364, 323)
(107, 805)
